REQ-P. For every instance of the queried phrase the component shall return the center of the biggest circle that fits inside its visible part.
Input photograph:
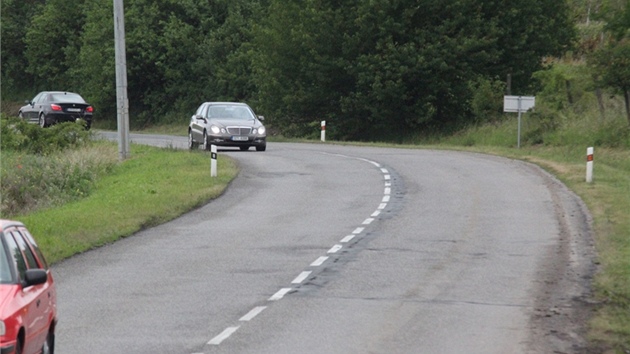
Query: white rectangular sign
(518, 103)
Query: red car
(28, 307)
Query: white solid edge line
(300, 278)
(319, 261)
(280, 294)
(358, 230)
(223, 336)
(253, 313)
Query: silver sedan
(226, 124)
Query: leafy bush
(487, 99)
(41, 168)
(18, 135)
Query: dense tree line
(375, 69)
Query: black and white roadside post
(518, 104)
(122, 103)
(213, 160)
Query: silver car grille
(239, 130)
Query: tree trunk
(626, 94)
(600, 102)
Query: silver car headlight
(215, 129)
(261, 131)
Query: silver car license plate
(240, 138)
(73, 109)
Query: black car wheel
(206, 145)
(42, 121)
(191, 142)
(49, 344)
(18, 347)
(20, 115)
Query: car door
(198, 125)
(35, 299)
(30, 112)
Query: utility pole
(122, 103)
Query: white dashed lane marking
(223, 336)
(347, 239)
(335, 249)
(318, 262)
(280, 294)
(253, 313)
(300, 278)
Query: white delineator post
(213, 160)
(589, 165)
(323, 130)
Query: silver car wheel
(42, 121)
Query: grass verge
(155, 185)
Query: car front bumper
(229, 140)
(7, 348)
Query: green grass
(155, 185)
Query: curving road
(319, 248)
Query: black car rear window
(66, 97)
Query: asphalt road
(319, 248)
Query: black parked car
(226, 124)
(50, 107)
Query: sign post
(518, 104)
(122, 102)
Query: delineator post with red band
(589, 165)
(323, 130)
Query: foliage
(46, 167)
(487, 99)
(20, 136)
(374, 69)
(383, 69)
(31, 182)
(15, 16)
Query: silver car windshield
(230, 112)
